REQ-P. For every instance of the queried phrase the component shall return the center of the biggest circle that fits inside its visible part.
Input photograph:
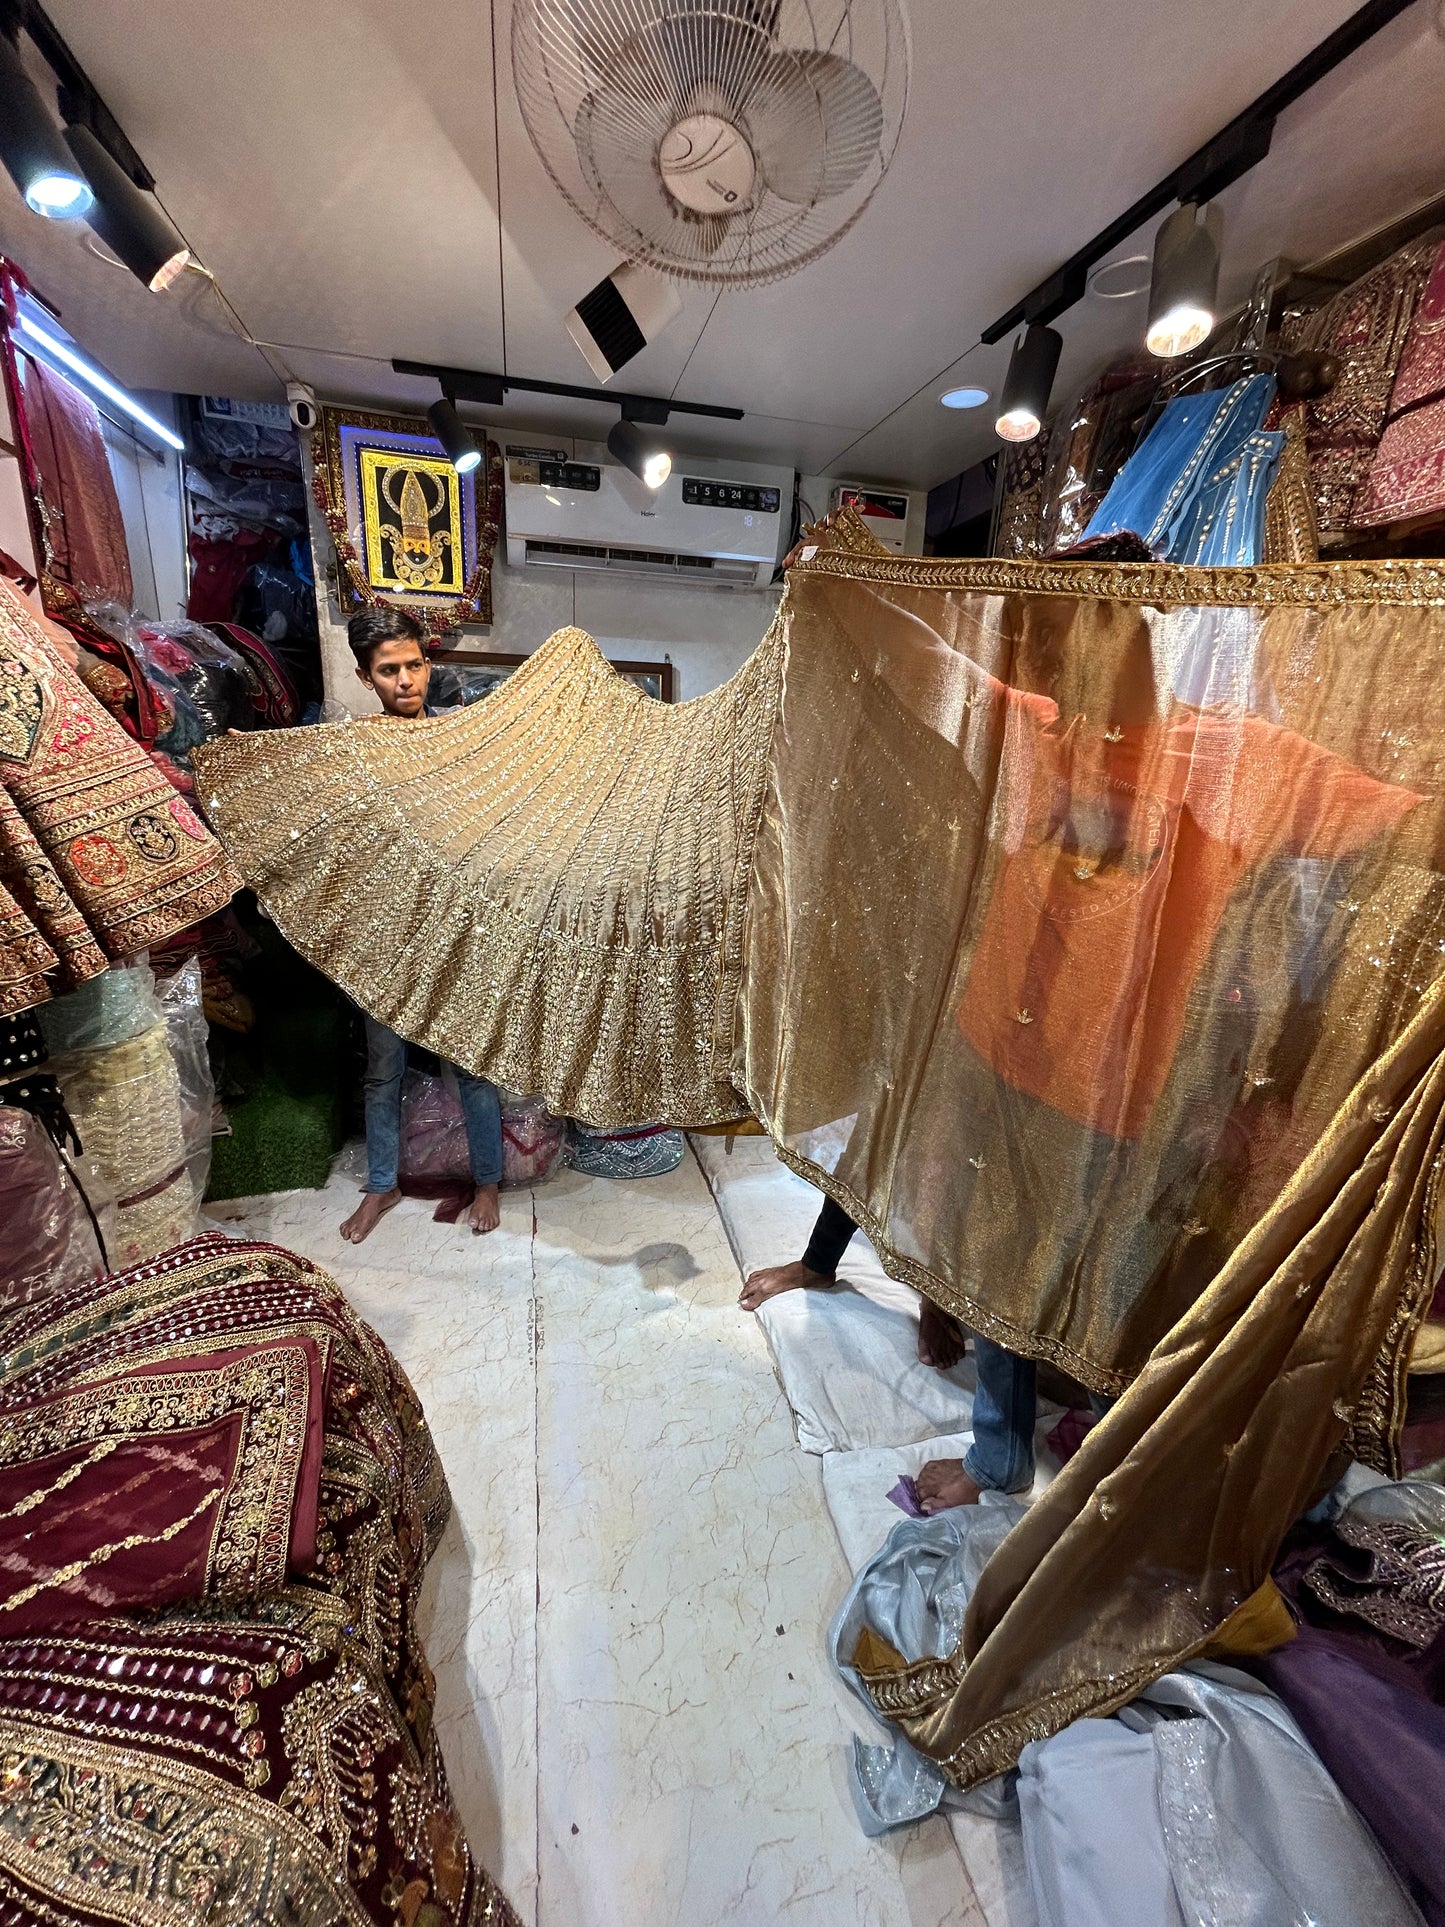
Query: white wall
(151, 488)
(707, 633)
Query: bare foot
(941, 1339)
(484, 1213)
(372, 1209)
(943, 1483)
(767, 1284)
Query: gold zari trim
(141, 1840)
(1323, 585)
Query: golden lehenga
(1080, 927)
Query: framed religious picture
(465, 676)
(408, 528)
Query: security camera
(301, 403)
(617, 319)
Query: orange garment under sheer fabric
(1124, 846)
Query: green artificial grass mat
(293, 1072)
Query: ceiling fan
(728, 141)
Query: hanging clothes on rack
(1196, 488)
(1407, 476)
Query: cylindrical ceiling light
(34, 154)
(131, 222)
(1185, 282)
(1030, 379)
(643, 453)
(454, 435)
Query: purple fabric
(905, 1496)
(1373, 1722)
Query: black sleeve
(829, 1240)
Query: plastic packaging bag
(433, 1132)
(532, 1140)
(113, 1007)
(181, 999)
(47, 1241)
(434, 1136)
(202, 686)
(143, 1110)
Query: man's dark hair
(368, 629)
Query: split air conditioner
(722, 525)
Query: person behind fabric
(391, 662)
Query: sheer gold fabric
(1080, 927)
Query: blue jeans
(481, 1107)
(1005, 1409)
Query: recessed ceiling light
(964, 398)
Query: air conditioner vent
(723, 570)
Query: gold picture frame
(408, 529)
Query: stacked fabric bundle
(1203, 1798)
(137, 1082)
(218, 1496)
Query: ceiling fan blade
(815, 121)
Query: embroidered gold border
(261, 1846)
(1309, 585)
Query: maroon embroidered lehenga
(230, 1717)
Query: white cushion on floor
(847, 1357)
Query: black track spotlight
(131, 222)
(454, 435)
(1025, 398)
(641, 450)
(35, 156)
(1185, 282)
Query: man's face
(399, 674)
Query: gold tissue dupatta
(1052, 917)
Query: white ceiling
(359, 189)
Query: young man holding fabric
(391, 662)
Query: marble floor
(627, 1613)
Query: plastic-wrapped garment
(433, 1133)
(650, 1151)
(1200, 1804)
(143, 1109)
(203, 684)
(110, 1009)
(47, 1241)
(181, 998)
(126, 1102)
(278, 603)
(533, 1140)
(1090, 438)
(434, 1150)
